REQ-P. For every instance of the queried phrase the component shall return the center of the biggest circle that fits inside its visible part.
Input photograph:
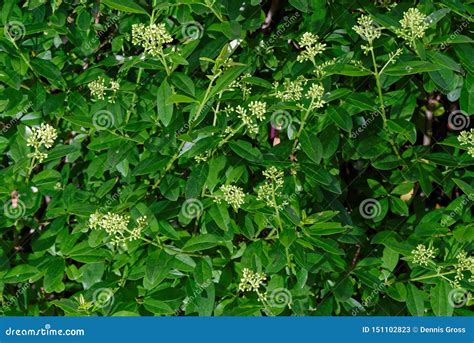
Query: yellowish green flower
(413, 26)
(232, 195)
(117, 226)
(316, 93)
(256, 112)
(258, 109)
(466, 138)
(366, 29)
(465, 264)
(290, 90)
(269, 191)
(422, 255)
(43, 136)
(311, 47)
(151, 38)
(98, 89)
(251, 282)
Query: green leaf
(19, 273)
(327, 228)
(157, 266)
(311, 146)
(443, 60)
(129, 6)
(467, 95)
(54, 275)
(179, 99)
(48, 70)
(220, 215)
(300, 5)
(410, 68)
(465, 187)
(165, 109)
(226, 79)
(439, 298)
(158, 307)
(340, 117)
(245, 150)
(415, 302)
(201, 242)
(390, 258)
(398, 206)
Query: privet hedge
(206, 157)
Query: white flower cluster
(413, 26)
(256, 112)
(291, 90)
(242, 84)
(367, 30)
(316, 93)
(43, 136)
(465, 263)
(151, 38)
(466, 138)
(269, 192)
(232, 195)
(251, 282)
(98, 89)
(312, 47)
(116, 226)
(422, 255)
(319, 69)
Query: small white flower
(422, 255)
(98, 89)
(366, 29)
(258, 109)
(251, 282)
(151, 38)
(291, 90)
(312, 47)
(466, 138)
(43, 136)
(316, 92)
(413, 26)
(116, 226)
(269, 191)
(232, 195)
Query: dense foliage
(218, 157)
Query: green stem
(30, 169)
(191, 121)
(432, 276)
(27, 62)
(382, 105)
(134, 97)
(230, 135)
(379, 87)
(216, 110)
(277, 212)
(303, 122)
(211, 7)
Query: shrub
(236, 158)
